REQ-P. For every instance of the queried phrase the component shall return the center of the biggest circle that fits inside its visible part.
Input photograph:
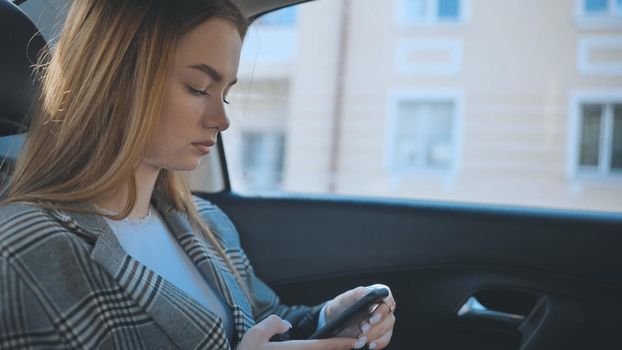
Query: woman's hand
(258, 338)
(375, 330)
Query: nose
(217, 118)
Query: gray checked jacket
(66, 283)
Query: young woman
(102, 244)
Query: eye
(196, 92)
(227, 90)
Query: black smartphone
(355, 313)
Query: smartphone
(355, 313)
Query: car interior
(465, 276)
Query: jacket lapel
(185, 321)
(207, 259)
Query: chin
(186, 167)
(183, 166)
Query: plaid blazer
(66, 283)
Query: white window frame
(587, 44)
(431, 18)
(395, 97)
(612, 18)
(573, 168)
(406, 47)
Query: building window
(262, 159)
(424, 136)
(430, 11)
(600, 139)
(428, 57)
(602, 7)
(599, 12)
(417, 9)
(285, 17)
(595, 6)
(448, 9)
(600, 55)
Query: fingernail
(365, 327)
(289, 325)
(360, 342)
(374, 319)
(366, 291)
(372, 346)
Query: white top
(150, 241)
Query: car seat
(20, 44)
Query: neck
(116, 200)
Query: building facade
(514, 102)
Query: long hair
(102, 87)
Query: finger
(319, 344)
(378, 285)
(381, 342)
(352, 296)
(344, 300)
(378, 330)
(389, 300)
(386, 307)
(383, 286)
(270, 326)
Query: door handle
(474, 310)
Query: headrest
(20, 44)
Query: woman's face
(205, 67)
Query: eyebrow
(211, 71)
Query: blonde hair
(102, 92)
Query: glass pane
(590, 134)
(439, 135)
(507, 146)
(616, 147)
(448, 9)
(285, 17)
(251, 141)
(11, 145)
(262, 160)
(417, 9)
(596, 6)
(408, 150)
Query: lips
(203, 146)
(207, 143)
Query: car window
(514, 102)
(11, 145)
(47, 15)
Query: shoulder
(20, 217)
(12, 210)
(24, 227)
(217, 221)
(203, 204)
